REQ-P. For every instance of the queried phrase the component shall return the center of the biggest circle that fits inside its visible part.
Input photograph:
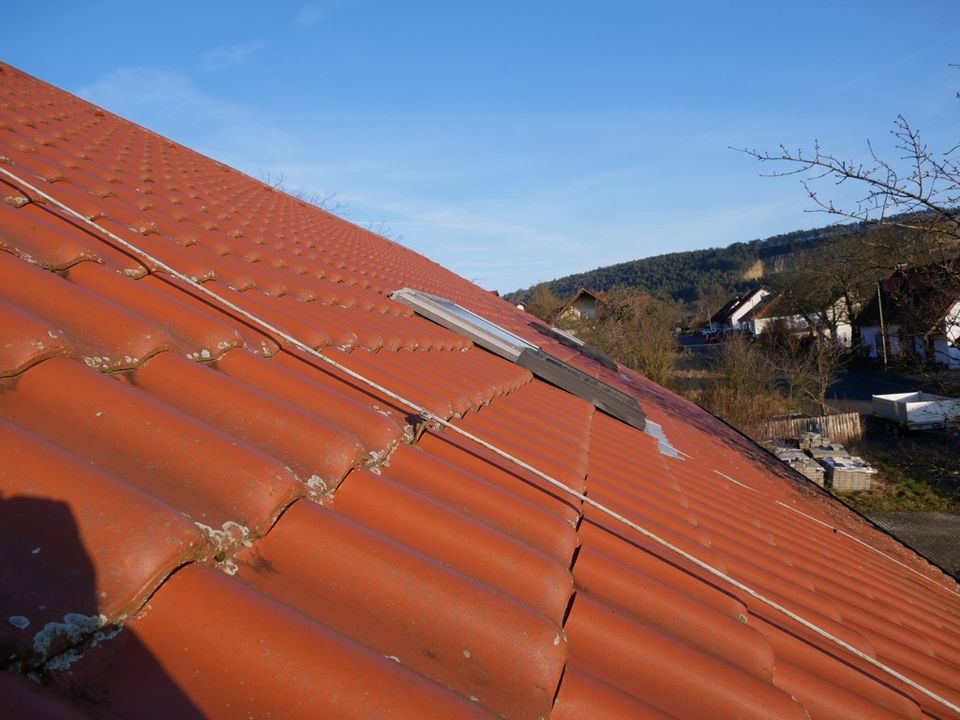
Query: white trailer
(918, 410)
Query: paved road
(853, 390)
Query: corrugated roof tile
(168, 454)
(107, 336)
(36, 236)
(197, 334)
(670, 675)
(456, 632)
(477, 550)
(48, 500)
(27, 339)
(191, 653)
(319, 452)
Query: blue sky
(515, 142)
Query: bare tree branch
(325, 201)
(919, 191)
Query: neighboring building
(764, 315)
(202, 517)
(833, 322)
(759, 311)
(582, 306)
(915, 312)
(731, 315)
(837, 320)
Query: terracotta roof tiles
(200, 519)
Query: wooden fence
(839, 428)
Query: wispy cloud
(170, 103)
(316, 12)
(496, 244)
(223, 57)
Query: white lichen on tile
(317, 484)
(317, 489)
(63, 662)
(19, 621)
(74, 628)
(229, 536)
(110, 633)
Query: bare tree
(543, 303)
(636, 329)
(325, 201)
(808, 364)
(743, 390)
(917, 191)
(382, 229)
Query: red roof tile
(199, 517)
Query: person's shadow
(49, 617)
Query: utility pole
(883, 332)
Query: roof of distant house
(723, 314)
(729, 309)
(764, 308)
(200, 516)
(915, 298)
(585, 294)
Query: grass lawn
(918, 471)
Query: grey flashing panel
(454, 317)
(603, 396)
(577, 344)
(514, 348)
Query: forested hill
(692, 275)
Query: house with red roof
(256, 461)
(916, 312)
(582, 306)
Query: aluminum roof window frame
(457, 318)
(504, 343)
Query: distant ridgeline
(689, 276)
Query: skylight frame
(504, 343)
(457, 318)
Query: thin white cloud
(171, 104)
(316, 12)
(227, 56)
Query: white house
(731, 315)
(582, 306)
(915, 312)
(762, 309)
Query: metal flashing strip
(663, 442)
(575, 343)
(504, 343)
(604, 397)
